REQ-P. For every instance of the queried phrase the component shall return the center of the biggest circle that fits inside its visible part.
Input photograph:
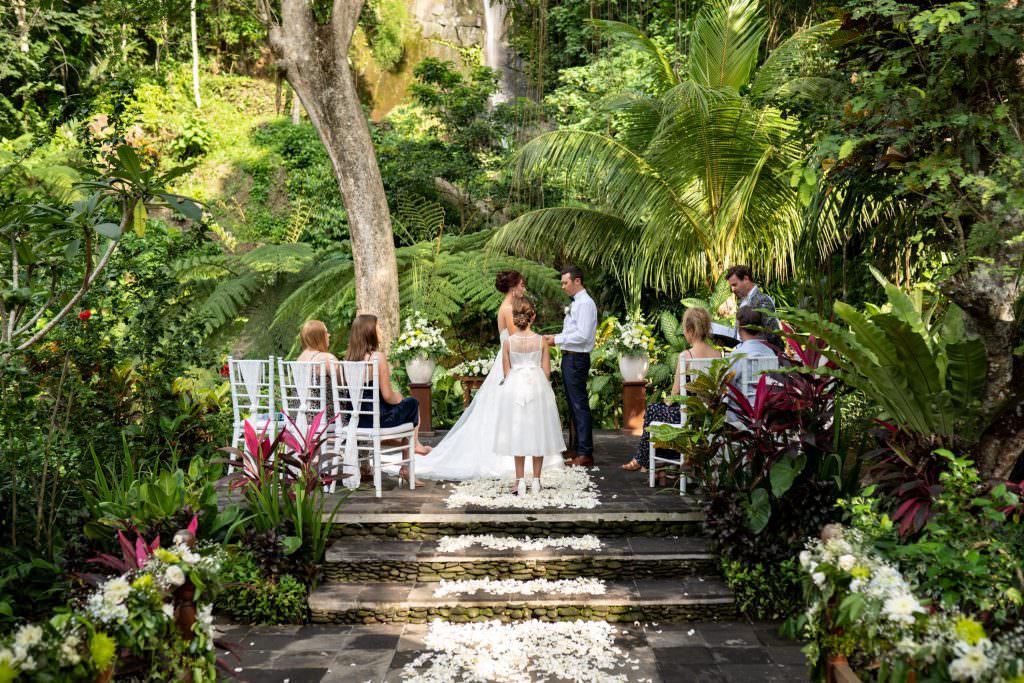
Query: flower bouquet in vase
(634, 342)
(478, 367)
(419, 345)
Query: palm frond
(624, 34)
(229, 298)
(724, 45)
(776, 76)
(278, 258)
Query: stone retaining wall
(498, 568)
(522, 612)
(427, 531)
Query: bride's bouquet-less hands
(633, 337)
(419, 338)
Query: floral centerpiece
(133, 615)
(633, 340)
(472, 368)
(860, 604)
(419, 344)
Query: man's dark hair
(749, 319)
(741, 272)
(574, 273)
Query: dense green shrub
(765, 590)
(252, 597)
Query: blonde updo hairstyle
(523, 313)
(697, 321)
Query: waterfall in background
(495, 49)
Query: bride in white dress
(467, 451)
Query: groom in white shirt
(576, 341)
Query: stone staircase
(387, 564)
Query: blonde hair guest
(697, 330)
(316, 341)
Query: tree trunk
(987, 294)
(195, 56)
(296, 111)
(21, 18)
(315, 61)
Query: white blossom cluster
(452, 544)
(418, 338)
(109, 604)
(634, 336)
(571, 487)
(895, 623)
(574, 651)
(19, 656)
(516, 587)
(30, 645)
(473, 368)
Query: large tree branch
(42, 309)
(127, 207)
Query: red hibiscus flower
(85, 315)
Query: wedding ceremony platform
(596, 578)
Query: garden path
(628, 560)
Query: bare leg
(520, 461)
(419, 449)
(538, 464)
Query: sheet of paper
(721, 330)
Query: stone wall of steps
(654, 568)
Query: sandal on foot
(632, 466)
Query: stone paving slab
(620, 493)
(704, 652)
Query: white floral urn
(420, 369)
(634, 368)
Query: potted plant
(418, 346)
(634, 342)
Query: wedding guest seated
(395, 409)
(749, 322)
(315, 340)
(697, 330)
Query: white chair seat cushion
(406, 428)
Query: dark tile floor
(705, 652)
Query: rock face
(444, 27)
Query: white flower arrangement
(633, 337)
(517, 587)
(472, 368)
(871, 604)
(576, 651)
(453, 544)
(571, 487)
(418, 338)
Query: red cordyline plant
(134, 555)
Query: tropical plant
(696, 177)
(252, 597)
(923, 370)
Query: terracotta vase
(105, 676)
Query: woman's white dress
(467, 451)
(529, 423)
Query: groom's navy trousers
(575, 370)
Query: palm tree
(699, 176)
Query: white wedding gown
(467, 451)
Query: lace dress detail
(528, 423)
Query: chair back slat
(690, 369)
(303, 390)
(252, 388)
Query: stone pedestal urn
(634, 368)
(420, 369)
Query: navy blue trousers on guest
(656, 412)
(575, 371)
(405, 411)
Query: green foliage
(193, 140)
(968, 555)
(252, 597)
(765, 591)
(128, 495)
(386, 23)
(926, 375)
(678, 191)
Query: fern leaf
(229, 298)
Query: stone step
(658, 600)
(356, 560)
(433, 525)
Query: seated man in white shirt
(749, 322)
